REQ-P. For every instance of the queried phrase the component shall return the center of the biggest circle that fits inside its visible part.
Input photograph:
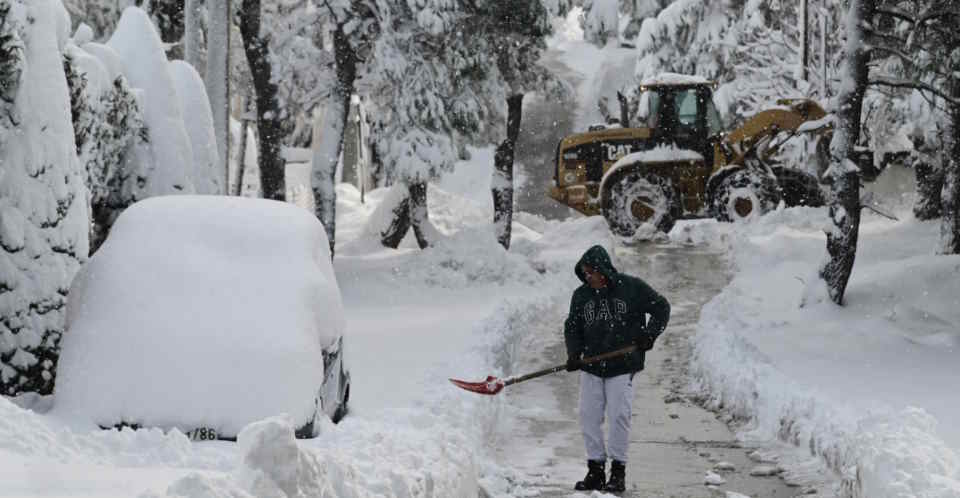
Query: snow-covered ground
(413, 320)
(867, 386)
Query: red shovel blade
(490, 386)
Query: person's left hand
(644, 342)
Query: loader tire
(798, 188)
(638, 203)
(744, 195)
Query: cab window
(685, 107)
(714, 123)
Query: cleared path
(674, 442)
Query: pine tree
(601, 21)
(106, 127)
(43, 214)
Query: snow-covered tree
(513, 34)
(601, 20)
(43, 208)
(100, 15)
(163, 165)
(441, 77)
(918, 47)
(689, 37)
(107, 124)
(410, 80)
(256, 42)
(843, 174)
(207, 173)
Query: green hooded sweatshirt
(614, 317)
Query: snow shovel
(493, 385)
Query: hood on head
(596, 257)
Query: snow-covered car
(204, 314)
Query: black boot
(595, 476)
(617, 482)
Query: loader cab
(682, 114)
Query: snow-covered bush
(107, 124)
(225, 322)
(208, 177)
(163, 165)
(43, 209)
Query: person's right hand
(573, 364)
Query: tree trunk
(419, 215)
(329, 139)
(272, 180)
(503, 173)
(950, 223)
(929, 187)
(217, 75)
(393, 234)
(843, 175)
(410, 210)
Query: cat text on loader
(678, 163)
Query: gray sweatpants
(612, 397)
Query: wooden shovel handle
(585, 361)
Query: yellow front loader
(677, 162)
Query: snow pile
(800, 373)
(201, 312)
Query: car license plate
(202, 434)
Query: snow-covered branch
(916, 85)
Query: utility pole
(824, 18)
(804, 48)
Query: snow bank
(867, 386)
(166, 165)
(201, 312)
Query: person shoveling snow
(608, 322)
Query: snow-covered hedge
(43, 208)
(201, 311)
